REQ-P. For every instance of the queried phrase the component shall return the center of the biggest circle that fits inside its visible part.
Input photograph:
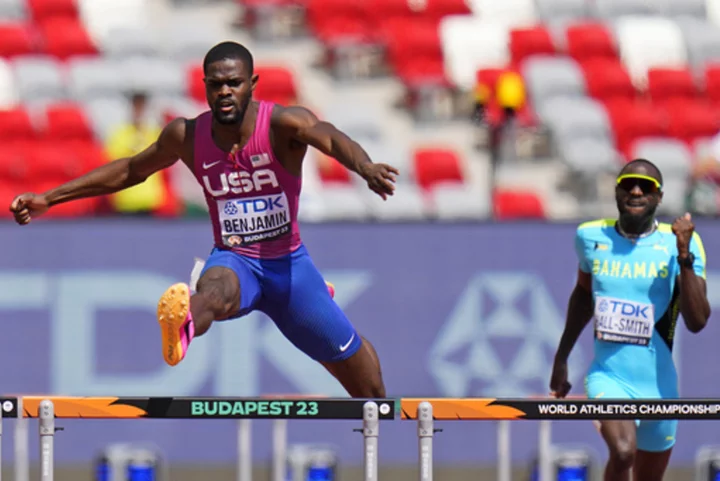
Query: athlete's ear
(253, 82)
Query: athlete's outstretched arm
(579, 312)
(303, 126)
(107, 179)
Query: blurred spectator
(705, 179)
(155, 195)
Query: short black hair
(652, 167)
(228, 50)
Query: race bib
(625, 322)
(254, 219)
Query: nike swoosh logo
(343, 348)
(207, 166)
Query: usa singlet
(251, 197)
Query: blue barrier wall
(453, 310)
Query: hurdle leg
(426, 431)
(504, 460)
(21, 443)
(244, 468)
(545, 451)
(371, 431)
(47, 433)
(279, 454)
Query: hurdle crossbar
(425, 411)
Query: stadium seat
(646, 42)
(359, 121)
(66, 121)
(130, 42)
(684, 8)
(690, 120)
(589, 155)
(590, 40)
(194, 83)
(333, 20)
(469, 44)
(634, 120)
(608, 80)
(576, 117)
(65, 37)
(188, 43)
(453, 202)
(13, 10)
(100, 17)
(13, 163)
(42, 10)
(511, 13)
(670, 84)
(562, 11)
(39, 78)
(154, 75)
(275, 84)
(712, 82)
(16, 39)
(433, 165)
(94, 77)
(517, 204)
(702, 39)
(526, 42)
(549, 76)
(611, 9)
(414, 51)
(16, 125)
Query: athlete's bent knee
(219, 289)
(622, 453)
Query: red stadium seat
(634, 120)
(509, 204)
(67, 121)
(66, 37)
(331, 20)
(15, 125)
(332, 172)
(669, 84)
(427, 10)
(689, 120)
(195, 84)
(13, 162)
(414, 50)
(608, 80)
(41, 10)
(712, 82)
(526, 42)
(16, 39)
(275, 84)
(590, 40)
(433, 165)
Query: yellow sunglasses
(645, 182)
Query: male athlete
(635, 275)
(248, 157)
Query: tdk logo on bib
(621, 321)
(254, 219)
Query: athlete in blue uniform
(635, 275)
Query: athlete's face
(229, 87)
(638, 192)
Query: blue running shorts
(652, 436)
(291, 291)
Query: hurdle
(425, 411)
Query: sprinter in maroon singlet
(247, 156)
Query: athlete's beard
(638, 224)
(235, 118)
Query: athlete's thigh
(603, 385)
(299, 303)
(231, 276)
